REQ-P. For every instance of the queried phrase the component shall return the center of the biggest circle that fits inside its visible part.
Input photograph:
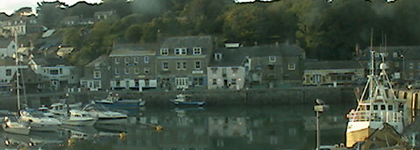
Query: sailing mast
(17, 72)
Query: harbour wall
(285, 96)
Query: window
(178, 65)
(234, 70)
(180, 51)
(146, 59)
(54, 72)
(126, 60)
(233, 82)
(164, 51)
(291, 66)
(96, 74)
(197, 81)
(117, 60)
(197, 51)
(136, 59)
(272, 59)
(136, 70)
(411, 65)
(214, 70)
(165, 65)
(8, 72)
(117, 71)
(214, 81)
(146, 70)
(181, 65)
(197, 65)
(126, 70)
(218, 56)
(184, 65)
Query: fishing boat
(113, 100)
(78, 118)
(104, 115)
(183, 99)
(377, 107)
(12, 125)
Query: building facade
(181, 62)
(133, 68)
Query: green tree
(244, 23)
(133, 33)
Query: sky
(10, 6)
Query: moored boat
(183, 99)
(377, 107)
(113, 100)
(78, 118)
(13, 125)
(104, 115)
(38, 121)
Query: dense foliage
(325, 30)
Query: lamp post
(319, 108)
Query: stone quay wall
(284, 96)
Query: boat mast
(17, 72)
(372, 67)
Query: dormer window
(197, 51)
(146, 59)
(272, 59)
(180, 51)
(164, 51)
(291, 66)
(218, 56)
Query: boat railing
(377, 116)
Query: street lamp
(319, 108)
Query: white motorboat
(104, 115)
(376, 107)
(13, 125)
(38, 121)
(78, 118)
(62, 108)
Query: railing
(377, 116)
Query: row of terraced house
(194, 62)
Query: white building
(7, 48)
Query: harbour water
(268, 127)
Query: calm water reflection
(208, 128)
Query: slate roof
(204, 42)
(103, 60)
(235, 57)
(409, 52)
(323, 65)
(7, 61)
(50, 61)
(133, 50)
(4, 42)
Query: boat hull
(123, 104)
(44, 127)
(112, 121)
(360, 131)
(187, 103)
(86, 122)
(16, 130)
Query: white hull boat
(13, 125)
(78, 118)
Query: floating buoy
(158, 128)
